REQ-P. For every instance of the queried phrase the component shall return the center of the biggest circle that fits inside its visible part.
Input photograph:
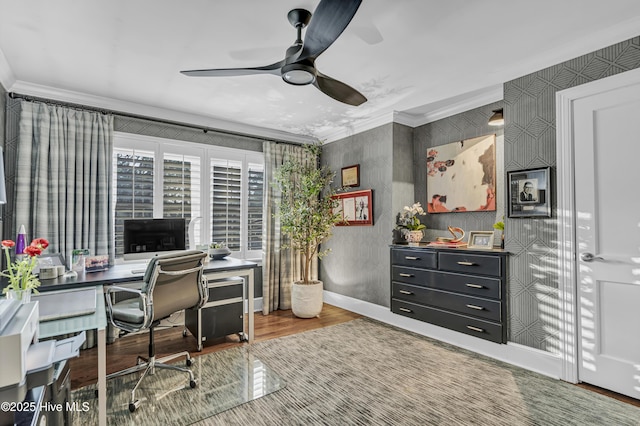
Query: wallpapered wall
(3, 103)
(530, 141)
(358, 265)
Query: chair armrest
(116, 289)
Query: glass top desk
(95, 321)
(131, 273)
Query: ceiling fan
(330, 19)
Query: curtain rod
(14, 95)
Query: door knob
(589, 257)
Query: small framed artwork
(529, 193)
(480, 240)
(96, 263)
(351, 175)
(355, 208)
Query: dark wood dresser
(460, 289)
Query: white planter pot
(414, 237)
(306, 299)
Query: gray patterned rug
(367, 373)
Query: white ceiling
(412, 59)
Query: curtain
(63, 178)
(280, 266)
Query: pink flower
(32, 250)
(8, 243)
(41, 243)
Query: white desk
(95, 321)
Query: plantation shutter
(254, 213)
(181, 188)
(133, 176)
(226, 202)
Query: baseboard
(522, 356)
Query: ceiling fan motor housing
(299, 73)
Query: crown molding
(357, 127)
(422, 115)
(142, 110)
(455, 105)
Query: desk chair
(171, 283)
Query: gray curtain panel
(280, 266)
(63, 178)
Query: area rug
(225, 379)
(368, 373)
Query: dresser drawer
(414, 258)
(457, 322)
(466, 305)
(471, 263)
(467, 284)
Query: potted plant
(499, 225)
(306, 212)
(22, 280)
(409, 224)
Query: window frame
(162, 146)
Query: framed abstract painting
(461, 176)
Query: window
(133, 177)
(254, 210)
(222, 202)
(226, 182)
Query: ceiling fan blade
(329, 20)
(230, 72)
(338, 90)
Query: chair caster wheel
(192, 383)
(189, 362)
(133, 406)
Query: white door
(606, 128)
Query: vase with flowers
(19, 273)
(408, 223)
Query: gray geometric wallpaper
(530, 141)
(358, 264)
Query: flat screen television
(145, 238)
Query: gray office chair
(171, 283)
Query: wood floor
(123, 352)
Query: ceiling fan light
(298, 74)
(497, 119)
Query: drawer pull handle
(474, 285)
(405, 292)
(479, 308)
(406, 275)
(411, 258)
(466, 263)
(406, 310)
(478, 329)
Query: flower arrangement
(408, 218)
(20, 273)
(218, 245)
